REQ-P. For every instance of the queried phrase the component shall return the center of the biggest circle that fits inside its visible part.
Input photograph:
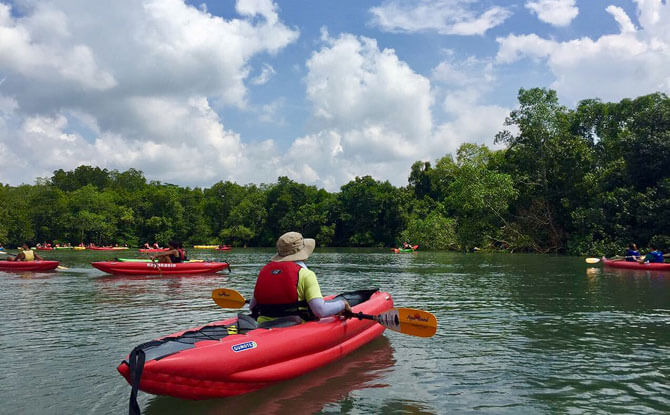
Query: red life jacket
(276, 291)
(181, 257)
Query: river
(516, 334)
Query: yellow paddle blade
(592, 260)
(62, 267)
(228, 298)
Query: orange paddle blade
(409, 321)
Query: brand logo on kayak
(244, 346)
(162, 265)
(417, 317)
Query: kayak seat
(286, 321)
(245, 322)
(356, 297)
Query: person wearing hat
(286, 287)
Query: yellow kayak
(205, 246)
(79, 248)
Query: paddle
(408, 321)
(153, 260)
(228, 298)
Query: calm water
(517, 334)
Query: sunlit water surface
(517, 334)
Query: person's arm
(308, 288)
(166, 254)
(323, 309)
(37, 257)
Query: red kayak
(224, 248)
(656, 266)
(28, 265)
(44, 248)
(159, 268)
(236, 356)
(154, 249)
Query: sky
(321, 91)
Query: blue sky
(321, 91)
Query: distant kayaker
(632, 253)
(406, 245)
(26, 254)
(654, 255)
(286, 287)
(174, 254)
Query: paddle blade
(409, 321)
(227, 298)
(592, 260)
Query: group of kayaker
(633, 255)
(152, 246)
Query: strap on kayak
(136, 366)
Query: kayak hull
(242, 363)
(28, 265)
(154, 249)
(155, 268)
(658, 266)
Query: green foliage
(433, 231)
(587, 181)
(369, 213)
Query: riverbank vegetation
(587, 180)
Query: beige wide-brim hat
(291, 246)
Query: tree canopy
(588, 180)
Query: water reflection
(307, 394)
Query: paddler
(25, 254)
(654, 256)
(174, 254)
(286, 287)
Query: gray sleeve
(323, 309)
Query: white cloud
(554, 12)
(48, 55)
(448, 17)
(611, 67)
(266, 73)
(139, 81)
(464, 85)
(370, 109)
(625, 24)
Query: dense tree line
(587, 180)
